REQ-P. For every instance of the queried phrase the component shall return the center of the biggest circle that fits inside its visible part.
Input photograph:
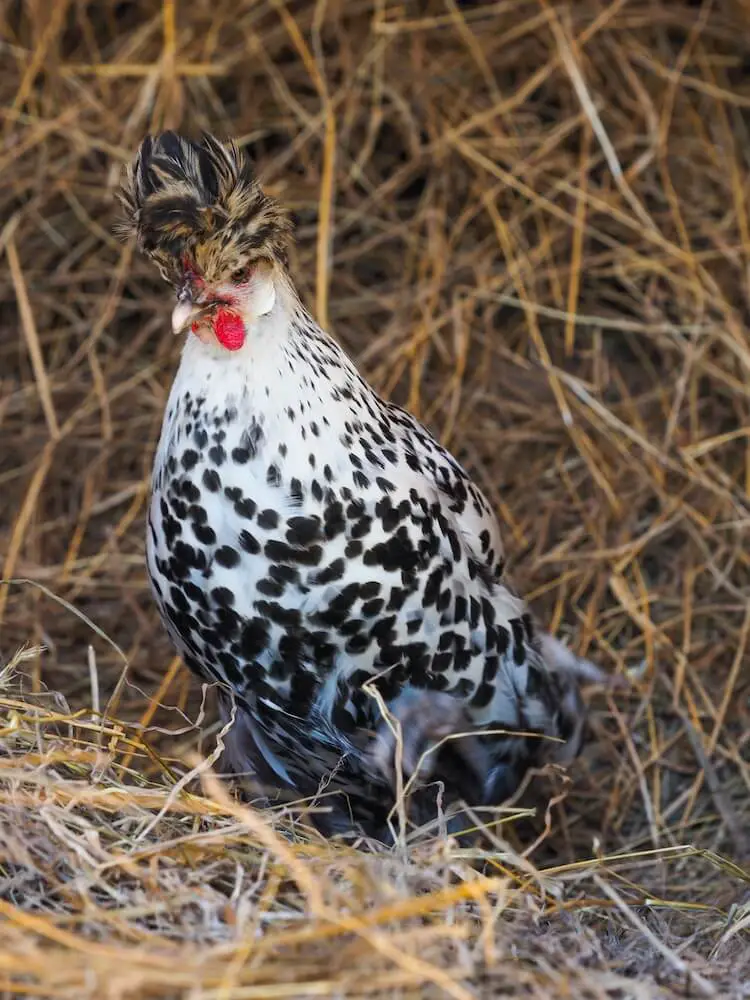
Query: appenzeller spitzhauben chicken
(306, 537)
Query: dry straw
(529, 221)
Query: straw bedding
(529, 222)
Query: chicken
(313, 550)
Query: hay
(529, 222)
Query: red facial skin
(190, 274)
(227, 326)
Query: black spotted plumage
(324, 539)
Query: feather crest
(202, 200)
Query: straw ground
(529, 221)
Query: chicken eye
(238, 276)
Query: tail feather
(576, 670)
(562, 660)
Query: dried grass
(529, 222)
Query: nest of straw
(529, 221)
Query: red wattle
(229, 329)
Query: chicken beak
(182, 315)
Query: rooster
(313, 550)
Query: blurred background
(527, 220)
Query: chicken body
(308, 542)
